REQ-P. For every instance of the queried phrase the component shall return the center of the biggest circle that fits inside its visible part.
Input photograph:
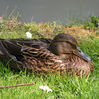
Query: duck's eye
(79, 51)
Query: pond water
(49, 10)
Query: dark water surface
(50, 10)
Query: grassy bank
(63, 87)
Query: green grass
(63, 87)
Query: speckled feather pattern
(43, 61)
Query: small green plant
(93, 23)
(90, 25)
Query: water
(50, 10)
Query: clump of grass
(93, 22)
(13, 28)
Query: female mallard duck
(62, 54)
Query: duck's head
(64, 44)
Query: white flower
(45, 88)
(29, 35)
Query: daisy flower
(29, 35)
(45, 88)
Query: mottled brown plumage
(41, 56)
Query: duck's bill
(82, 55)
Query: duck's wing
(12, 49)
(26, 54)
(46, 40)
(40, 59)
(37, 51)
(13, 46)
(7, 54)
(29, 42)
